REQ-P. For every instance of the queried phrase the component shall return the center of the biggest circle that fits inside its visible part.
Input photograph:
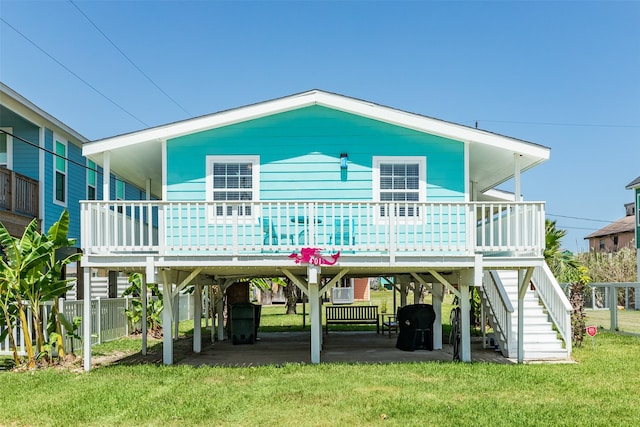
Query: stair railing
(499, 305)
(555, 301)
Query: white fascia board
(430, 125)
(204, 123)
(32, 113)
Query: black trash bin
(243, 323)
(416, 327)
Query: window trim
(65, 143)
(9, 137)
(255, 177)
(422, 180)
(92, 169)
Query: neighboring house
(43, 172)
(321, 188)
(635, 186)
(617, 235)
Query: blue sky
(561, 74)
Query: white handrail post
(99, 320)
(613, 308)
(197, 319)
(86, 321)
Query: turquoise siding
(303, 147)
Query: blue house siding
(76, 187)
(25, 156)
(303, 146)
(51, 211)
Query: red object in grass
(591, 331)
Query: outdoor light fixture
(343, 160)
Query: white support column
(520, 317)
(524, 277)
(220, 314)
(176, 315)
(149, 277)
(106, 176)
(436, 301)
(167, 326)
(403, 294)
(516, 177)
(143, 302)
(86, 321)
(465, 323)
(417, 292)
(197, 319)
(315, 314)
(613, 308)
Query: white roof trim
(317, 97)
(37, 114)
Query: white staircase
(541, 341)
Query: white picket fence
(108, 321)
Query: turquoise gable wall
(299, 156)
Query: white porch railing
(499, 304)
(555, 301)
(457, 228)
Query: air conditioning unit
(342, 295)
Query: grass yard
(601, 389)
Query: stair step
(540, 339)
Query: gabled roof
(491, 154)
(623, 225)
(20, 105)
(633, 184)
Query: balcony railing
(189, 228)
(18, 193)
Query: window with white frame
(401, 180)
(91, 180)
(60, 172)
(232, 179)
(5, 148)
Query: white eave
(34, 114)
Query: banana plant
(21, 266)
(31, 274)
(154, 306)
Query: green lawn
(601, 389)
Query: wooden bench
(352, 315)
